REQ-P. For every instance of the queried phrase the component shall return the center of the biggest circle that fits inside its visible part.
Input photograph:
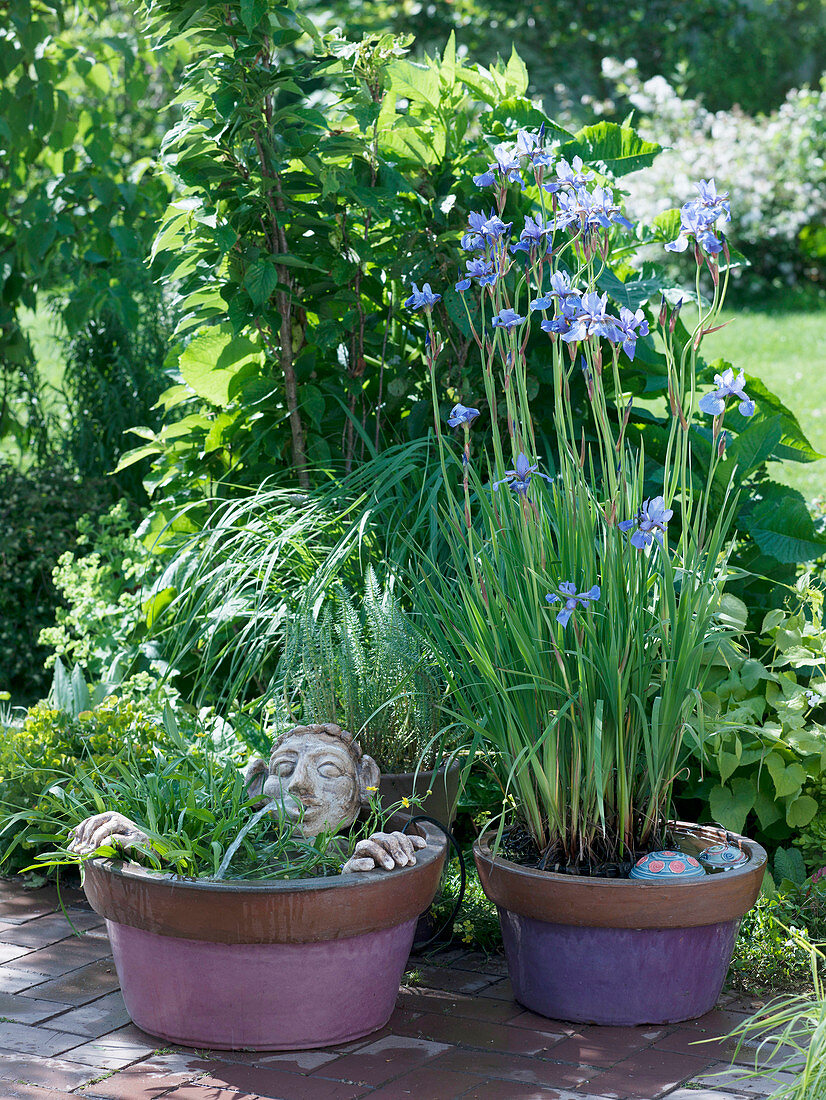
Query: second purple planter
(620, 951)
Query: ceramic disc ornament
(722, 857)
(668, 866)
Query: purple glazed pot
(262, 965)
(620, 951)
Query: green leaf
(780, 524)
(788, 779)
(617, 149)
(788, 864)
(632, 294)
(772, 620)
(753, 447)
(210, 362)
(801, 811)
(417, 82)
(252, 12)
(793, 443)
(516, 74)
(733, 613)
(730, 805)
(517, 113)
(666, 226)
(154, 606)
(260, 281)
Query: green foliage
(294, 237)
(784, 40)
(189, 799)
(51, 742)
(104, 585)
(112, 379)
(770, 953)
(83, 102)
(766, 748)
(787, 1036)
(477, 923)
(370, 671)
(39, 511)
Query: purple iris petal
(507, 318)
(571, 599)
(728, 385)
(422, 299)
(462, 414)
(649, 523)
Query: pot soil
(439, 804)
(621, 951)
(262, 965)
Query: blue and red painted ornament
(722, 857)
(667, 866)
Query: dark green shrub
(113, 378)
(39, 511)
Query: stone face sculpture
(321, 779)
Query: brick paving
(456, 1032)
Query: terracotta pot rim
(625, 903)
(266, 910)
(134, 871)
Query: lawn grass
(784, 344)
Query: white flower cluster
(774, 166)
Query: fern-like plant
(368, 669)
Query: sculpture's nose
(301, 781)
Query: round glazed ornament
(722, 857)
(667, 866)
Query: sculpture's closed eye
(284, 768)
(329, 770)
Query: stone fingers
(358, 863)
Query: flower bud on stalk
(721, 445)
(663, 311)
(675, 313)
(714, 269)
(698, 255)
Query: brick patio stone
(427, 1083)
(378, 1062)
(35, 1040)
(61, 957)
(80, 986)
(49, 1072)
(93, 1019)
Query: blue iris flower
(629, 327)
(592, 320)
(697, 221)
(461, 414)
(422, 299)
(570, 598)
(727, 386)
(519, 479)
(507, 318)
(649, 523)
(531, 236)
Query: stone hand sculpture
(320, 779)
(106, 828)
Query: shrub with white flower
(773, 166)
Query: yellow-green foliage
(49, 743)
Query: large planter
(443, 784)
(620, 951)
(262, 965)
